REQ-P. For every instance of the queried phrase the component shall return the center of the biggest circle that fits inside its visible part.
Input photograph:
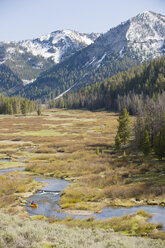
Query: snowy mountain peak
(144, 15)
(59, 44)
(146, 26)
(62, 34)
(146, 35)
(148, 15)
(140, 38)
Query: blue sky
(27, 19)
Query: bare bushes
(8, 188)
(146, 190)
(118, 191)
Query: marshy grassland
(78, 146)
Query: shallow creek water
(3, 171)
(47, 199)
(8, 170)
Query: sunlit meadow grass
(79, 146)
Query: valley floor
(79, 146)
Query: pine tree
(146, 144)
(124, 129)
(24, 107)
(159, 146)
(10, 109)
(117, 141)
(38, 111)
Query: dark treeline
(16, 105)
(148, 131)
(150, 127)
(131, 89)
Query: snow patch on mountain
(36, 49)
(10, 50)
(100, 60)
(25, 82)
(152, 26)
(2, 62)
(121, 52)
(58, 44)
(146, 35)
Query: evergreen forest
(9, 82)
(16, 105)
(131, 89)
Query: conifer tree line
(149, 129)
(16, 105)
(131, 89)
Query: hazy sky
(27, 19)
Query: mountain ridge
(60, 41)
(132, 42)
(66, 60)
(31, 57)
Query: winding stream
(47, 201)
(3, 171)
(8, 170)
(48, 197)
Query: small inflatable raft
(34, 205)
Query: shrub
(118, 191)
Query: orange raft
(34, 205)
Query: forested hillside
(27, 66)
(128, 89)
(9, 82)
(72, 73)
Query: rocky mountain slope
(29, 58)
(58, 45)
(139, 39)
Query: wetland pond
(47, 199)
